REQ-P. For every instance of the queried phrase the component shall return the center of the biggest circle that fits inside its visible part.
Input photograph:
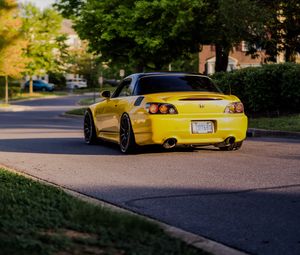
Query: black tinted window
(174, 83)
(124, 89)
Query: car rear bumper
(156, 129)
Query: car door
(111, 109)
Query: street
(247, 199)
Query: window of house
(245, 46)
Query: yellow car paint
(157, 128)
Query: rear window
(175, 83)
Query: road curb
(192, 239)
(256, 132)
(197, 241)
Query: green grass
(97, 90)
(287, 123)
(40, 219)
(89, 101)
(23, 96)
(78, 111)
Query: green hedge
(267, 90)
(14, 88)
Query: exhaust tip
(230, 140)
(170, 143)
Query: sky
(39, 3)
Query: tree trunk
(30, 86)
(222, 56)
(289, 55)
(6, 89)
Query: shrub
(267, 90)
(58, 79)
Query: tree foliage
(46, 47)
(154, 33)
(12, 62)
(150, 33)
(231, 22)
(283, 29)
(11, 39)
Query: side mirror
(105, 94)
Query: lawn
(89, 101)
(40, 219)
(286, 123)
(97, 90)
(78, 111)
(25, 96)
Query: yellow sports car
(171, 109)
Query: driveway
(247, 199)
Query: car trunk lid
(198, 102)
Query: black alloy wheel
(90, 135)
(127, 141)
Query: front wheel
(232, 147)
(89, 129)
(127, 141)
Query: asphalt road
(247, 199)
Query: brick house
(237, 58)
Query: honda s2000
(171, 109)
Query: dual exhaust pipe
(171, 142)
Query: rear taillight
(236, 107)
(160, 108)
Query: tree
(12, 63)
(154, 33)
(81, 62)
(46, 46)
(149, 33)
(283, 29)
(231, 22)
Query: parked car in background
(171, 109)
(40, 85)
(76, 84)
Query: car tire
(127, 140)
(232, 147)
(90, 135)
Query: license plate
(202, 127)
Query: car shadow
(77, 146)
